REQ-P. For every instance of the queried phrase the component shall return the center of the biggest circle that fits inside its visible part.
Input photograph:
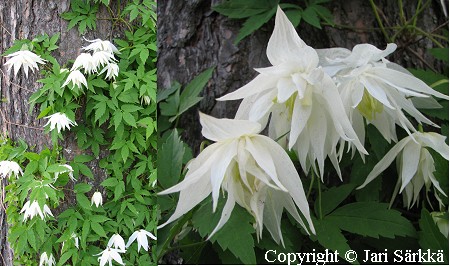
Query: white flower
(302, 100)
(110, 254)
(97, 199)
(99, 45)
(69, 170)
(253, 169)
(85, 61)
(77, 78)
(24, 58)
(33, 209)
(9, 167)
(112, 71)
(46, 260)
(146, 100)
(117, 241)
(141, 237)
(60, 121)
(75, 239)
(376, 89)
(414, 163)
(102, 58)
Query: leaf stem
(377, 16)
(310, 186)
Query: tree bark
(192, 37)
(26, 19)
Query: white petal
(410, 162)
(436, 142)
(132, 238)
(226, 212)
(259, 84)
(286, 87)
(385, 161)
(221, 129)
(284, 44)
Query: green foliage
(429, 235)
(258, 13)
(116, 133)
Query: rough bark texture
(192, 37)
(21, 19)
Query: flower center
(369, 106)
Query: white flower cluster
(315, 102)
(102, 57)
(116, 245)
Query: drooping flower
(32, 209)
(99, 45)
(112, 71)
(253, 169)
(376, 89)
(76, 78)
(146, 100)
(68, 170)
(102, 58)
(415, 165)
(306, 110)
(9, 167)
(75, 239)
(110, 254)
(46, 260)
(25, 59)
(141, 238)
(97, 199)
(85, 61)
(60, 121)
(117, 242)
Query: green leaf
(372, 219)
(82, 188)
(377, 142)
(440, 53)
(85, 232)
(330, 236)
(110, 182)
(170, 158)
(83, 201)
(98, 229)
(253, 23)
(129, 118)
(294, 15)
(236, 235)
(429, 235)
(163, 94)
(310, 16)
(243, 8)
(189, 96)
(333, 197)
(100, 110)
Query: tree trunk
(192, 38)
(26, 19)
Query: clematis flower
(414, 163)
(25, 59)
(46, 260)
(253, 169)
(97, 199)
(32, 209)
(117, 242)
(302, 99)
(102, 58)
(60, 121)
(376, 89)
(69, 170)
(76, 78)
(9, 167)
(112, 71)
(141, 238)
(99, 45)
(110, 254)
(85, 61)
(75, 239)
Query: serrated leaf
(170, 158)
(236, 235)
(110, 182)
(100, 110)
(333, 197)
(295, 16)
(372, 219)
(129, 119)
(189, 96)
(82, 188)
(163, 94)
(330, 236)
(144, 55)
(83, 201)
(253, 23)
(98, 229)
(429, 235)
(311, 17)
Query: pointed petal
(284, 44)
(132, 238)
(221, 129)
(410, 162)
(436, 142)
(226, 212)
(259, 84)
(385, 161)
(300, 116)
